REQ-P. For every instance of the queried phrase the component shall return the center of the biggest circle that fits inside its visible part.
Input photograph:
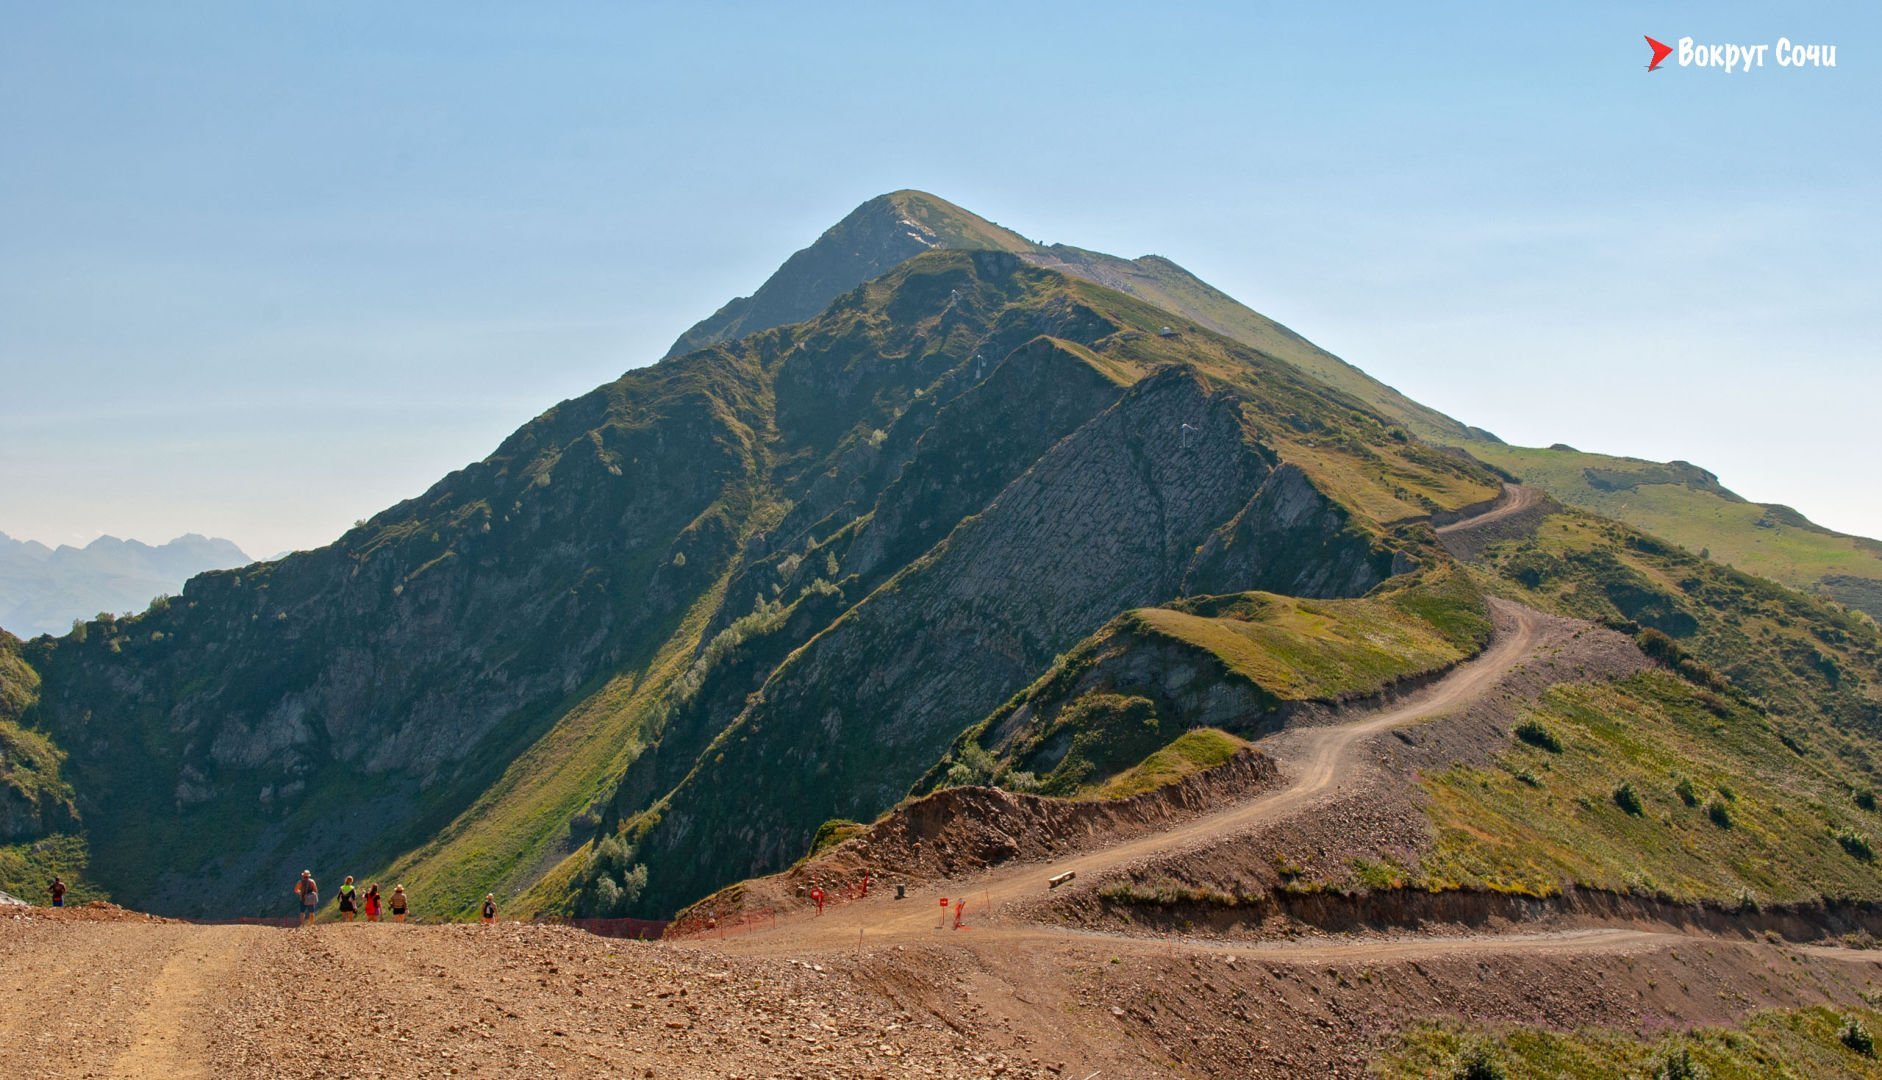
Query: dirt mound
(957, 831)
(96, 911)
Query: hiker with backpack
(490, 908)
(349, 903)
(372, 902)
(398, 903)
(309, 892)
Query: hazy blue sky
(265, 273)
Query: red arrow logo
(1661, 51)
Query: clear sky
(265, 269)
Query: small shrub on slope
(1627, 799)
(1855, 1035)
(1534, 733)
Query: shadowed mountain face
(687, 618)
(43, 589)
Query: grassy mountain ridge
(1674, 500)
(1683, 503)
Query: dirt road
(1515, 499)
(1313, 761)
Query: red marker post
(944, 913)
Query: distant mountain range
(43, 589)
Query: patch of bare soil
(76, 990)
(959, 831)
(96, 911)
(381, 1000)
(535, 1001)
(1233, 1014)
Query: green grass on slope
(1360, 458)
(1684, 505)
(1816, 1043)
(1658, 787)
(518, 831)
(1087, 724)
(1318, 650)
(1192, 752)
(27, 868)
(1163, 283)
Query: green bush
(1687, 793)
(1480, 1062)
(1679, 1065)
(1865, 799)
(1627, 799)
(1856, 1036)
(1534, 733)
(1856, 844)
(1720, 813)
(614, 882)
(974, 766)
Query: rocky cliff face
(1114, 516)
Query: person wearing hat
(398, 903)
(309, 892)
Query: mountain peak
(896, 226)
(871, 240)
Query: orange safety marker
(959, 906)
(817, 895)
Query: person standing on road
(309, 892)
(372, 902)
(490, 908)
(349, 903)
(398, 903)
(57, 889)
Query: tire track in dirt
(170, 1033)
(66, 987)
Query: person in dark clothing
(490, 908)
(309, 893)
(349, 901)
(57, 890)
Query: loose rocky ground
(129, 997)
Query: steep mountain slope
(42, 589)
(1676, 501)
(343, 704)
